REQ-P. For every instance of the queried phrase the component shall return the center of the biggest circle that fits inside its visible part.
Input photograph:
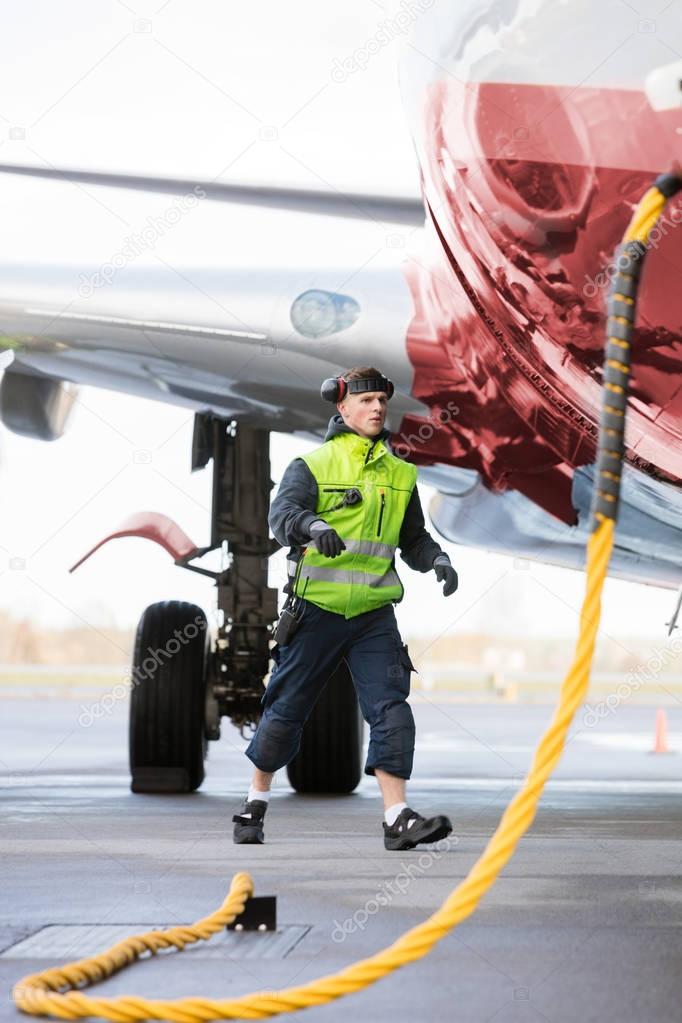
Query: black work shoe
(249, 830)
(400, 836)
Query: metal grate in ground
(76, 941)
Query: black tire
(167, 740)
(330, 757)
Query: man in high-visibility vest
(345, 508)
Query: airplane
(537, 129)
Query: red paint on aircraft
(529, 190)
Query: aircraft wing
(404, 210)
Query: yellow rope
(52, 991)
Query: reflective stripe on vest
(363, 577)
(353, 577)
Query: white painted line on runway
(465, 746)
(226, 787)
(627, 741)
(629, 786)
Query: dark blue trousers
(380, 665)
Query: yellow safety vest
(363, 577)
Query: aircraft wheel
(330, 756)
(167, 739)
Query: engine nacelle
(35, 406)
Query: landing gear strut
(178, 699)
(177, 704)
(247, 606)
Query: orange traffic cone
(661, 736)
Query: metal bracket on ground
(260, 914)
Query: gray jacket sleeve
(293, 510)
(417, 546)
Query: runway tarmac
(584, 924)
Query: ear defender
(336, 388)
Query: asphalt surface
(584, 924)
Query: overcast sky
(181, 89)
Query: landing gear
(176, 711)
(183, 685)
(168, 699)
(330, 756)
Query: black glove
(445, 572)
(326, 539)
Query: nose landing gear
(183, 680)
(176, 708)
